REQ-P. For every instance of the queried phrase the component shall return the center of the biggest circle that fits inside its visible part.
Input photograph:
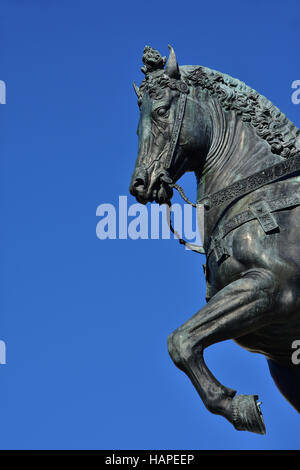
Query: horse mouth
(161, 193)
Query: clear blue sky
(85, 321)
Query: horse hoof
(246, 414)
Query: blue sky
(85, 321)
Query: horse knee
(179, 347)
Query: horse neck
(235, 152)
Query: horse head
(169, 129)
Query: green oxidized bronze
(245, 154)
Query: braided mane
(268, 121)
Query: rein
(191, 246)
(167, 164)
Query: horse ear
(172, 68)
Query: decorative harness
(260, 210)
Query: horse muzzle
(157, 188)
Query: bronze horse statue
(245, 154)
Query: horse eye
(162, 111)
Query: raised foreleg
(239, 308)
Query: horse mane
(268, 121)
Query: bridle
(166, 159)
(176, 129)
(167, 162)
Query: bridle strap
(176, 129)
(167, 161)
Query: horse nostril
(139, 182)
(138, 185)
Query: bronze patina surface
(245, 154)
